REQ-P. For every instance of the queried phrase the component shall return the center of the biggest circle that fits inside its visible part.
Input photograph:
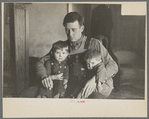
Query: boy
(96, 68)
(55, 84)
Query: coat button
(77, 56)
(51, 63)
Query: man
(78, 43)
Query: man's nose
(70, 32)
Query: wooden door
(21, 37)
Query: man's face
(91, 63)
(74, 31)
(61, 54)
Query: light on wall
(128, 8)
(69, 7)
(133, 8)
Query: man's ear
(82, 28)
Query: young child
(97, 70)
(55, 84)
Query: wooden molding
(21, 5)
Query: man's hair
(59, 45)
(72, 17)
(90, 54)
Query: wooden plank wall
(21, 49)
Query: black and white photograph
(74, 53)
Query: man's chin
(72, 39)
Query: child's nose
(89, 66)
(60, 55)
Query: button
(60, 66)
(51, 63)
(59, 72)
(65, 67)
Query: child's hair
(90, 54)
(59, 45)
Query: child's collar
(55, 61)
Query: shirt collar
(55, 61)
(77, 44)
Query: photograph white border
(29, 107)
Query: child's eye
(64, 52)
(73, 29)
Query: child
(97, 70)
(55, 84)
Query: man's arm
(46, 81)
(40, 67)
(110, 65)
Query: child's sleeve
(66, 72)
(104, 83)
(101, 75)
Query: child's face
(61, 54)
(91, 63)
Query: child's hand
(99, 85)
(47, 83)
(65, 83)
(58, 77)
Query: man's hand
(89, 87)
(47, 83)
